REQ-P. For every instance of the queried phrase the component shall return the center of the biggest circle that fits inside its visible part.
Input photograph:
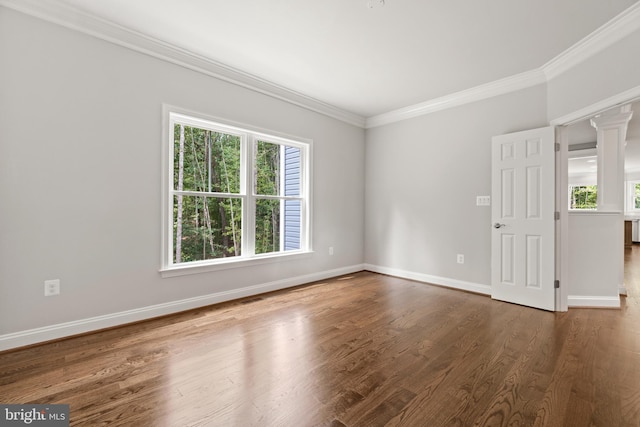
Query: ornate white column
(612, 135)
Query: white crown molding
(488, 90)
(66, 16)
(616, 29)
(626, 97)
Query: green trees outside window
(267, 182)
(206, 226)
(583, 196)
(234, 193)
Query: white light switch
(483, 201)
(51, 287)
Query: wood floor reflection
(362, 350)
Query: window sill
(592, 212)
(204, 267)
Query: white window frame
(571, 187)
(248, 136)
(631, 196)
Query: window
(583, 196)
(583, 177)
(633, 196)
(233, 194)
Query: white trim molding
(616, 29)
(67, 329)
(477, 288)
(478, 93)
(58, 13)
(618, 100)
(594, 301)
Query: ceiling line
(74, 19)
(477, 93)
(625, 23)
(629, 96)
(56, 12)
(620, 26)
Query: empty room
(303, 213)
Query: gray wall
(610, 72)
(80, 167)
(423, 174)
(80, 146)
(596, 259)
(422, 179)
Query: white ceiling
(584, 165)
(367, 61)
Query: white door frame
(562, 225)
(562, 183)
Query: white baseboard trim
(67, 329)
(594, 301)
(435, 280)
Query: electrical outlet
(483, 200)
(51, 287)
(330, 250)
(460, 259)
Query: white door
(522, 214)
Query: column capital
(612, 132)
(610, 121)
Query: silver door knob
(498, 225)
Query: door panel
(507, 251)
(523, 240)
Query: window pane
(277, 169)
(267, 168)
(292, 225)
(206, 228)
(637, 196)
(205, 160)
(267, 226)
(278, 225)
(583, 197)
(291, 171)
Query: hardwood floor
(363, 350)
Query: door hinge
(556, 284)
(556, 215)
(557, 146)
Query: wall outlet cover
(483, 201)
(51, 287)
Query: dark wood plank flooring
(362, 350)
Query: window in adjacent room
(583, 176)
(233, 194)
(633, 196)
(583, 197)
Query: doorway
(577, 184)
